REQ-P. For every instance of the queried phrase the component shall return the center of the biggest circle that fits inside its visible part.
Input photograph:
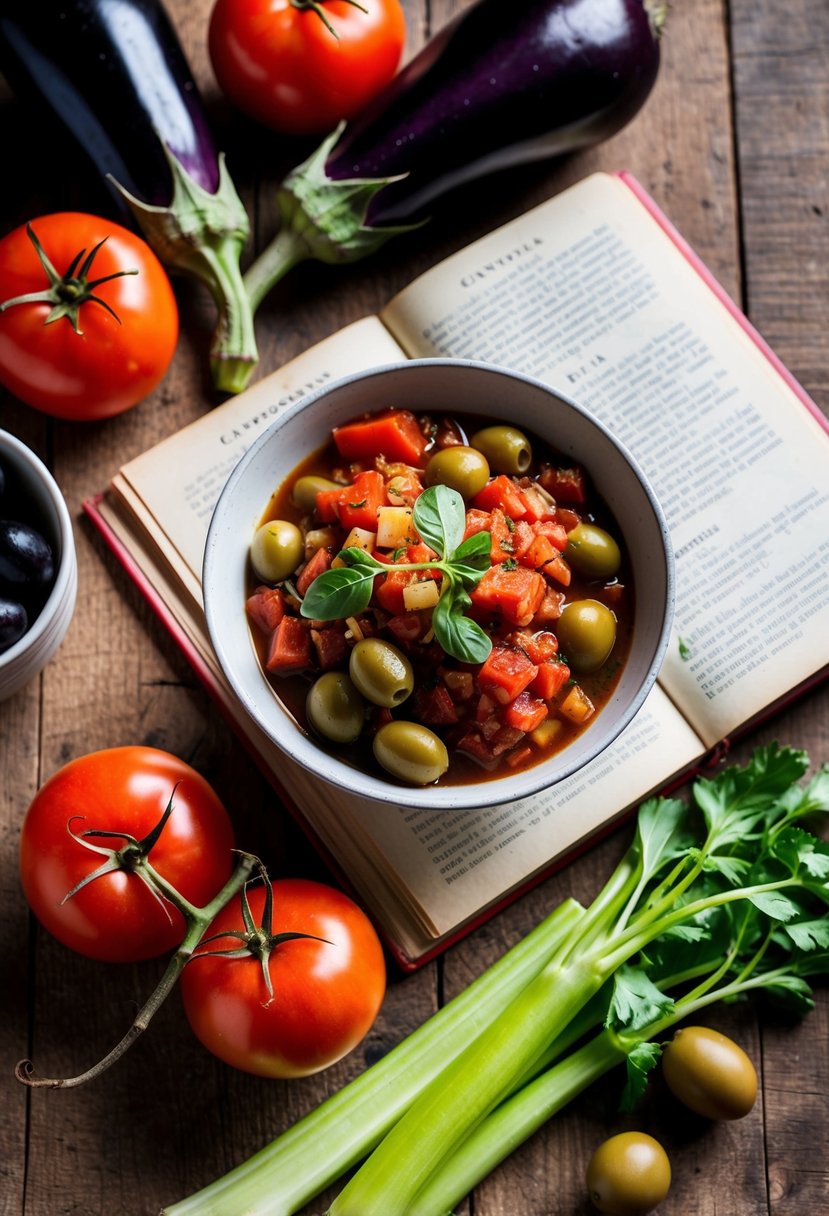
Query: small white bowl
(443, 386)
(30, 653)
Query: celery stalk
(318, 1149)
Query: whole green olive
(592, 551)
(335, 708)
(306, 489)
(276, 550)
(709, 1073)
(506, 448)
(586, 633)
(381, 672)
(628, 1175)
(411, 752)
(461, 468)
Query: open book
(596, 294)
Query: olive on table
(276, 550)
(306, 489)
(13, 623)
(381, 672)
(592, 551)
(459, 467)
(586, 633)
(335, 708)
(506, 448)
(709, 1073)
(411, 752)
(25, 557)
(628, 1175)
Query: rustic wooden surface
(734, 144)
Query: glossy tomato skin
(112, 364)
(115, 918)
(326, 994)
(281, 65)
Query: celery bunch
(713, 900)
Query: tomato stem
(316, 7)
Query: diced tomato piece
(522, 538)
(328, 504)
(360, 502)
(555, 532)
(422, 553)
(500, 531)
(551, 678)
(316, 565)
(435, 707)
(403, 488)
(501, 492)
(515, 594)
(266, 608)
(389, 588)
(330, 646)
(540, 551)
(395, 435)
(565, 484)
(541, 645)
(290, 647)
(506, 739)
(473, 744)
(505, 673)
(525, 712)
(407, 627)
(476, 521)
(559, 570)
(550, 608)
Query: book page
(589, 294)
(179, 480)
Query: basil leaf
(476, 548)
(440, 519)
(355, 558)
(339, 593)
(457, 635)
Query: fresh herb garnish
(440, 519)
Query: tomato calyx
(316, 7)
(258, 941)
(68, 292)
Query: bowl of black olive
(38, 566)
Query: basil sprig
(440, 519)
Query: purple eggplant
(114, 75)
(498, 86)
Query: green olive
(411, 752)
(276, 550)
(506, 448)
(334, 707)
(586, 633)
(461, 468)
(628, 1175)
(381, 672)
(709, 1073)
(592, 551)
(306, 489)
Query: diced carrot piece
(394, 434)
(266, 608)
(577, 706)
(518, 757)
(541, 645)
(522, 538)
(501, 492)
(559, 570)
(422, 553)
(360, 502)
(551, 678)
(537, 504)
(388, 590)
(502, 546)
(316, 565)
(290, 647)
(505, 673)
(476, 521)
(515, 594)
(525, 712)
(328, 503)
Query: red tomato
(115, 361)
(279, 62)
(116, 918)
(326, 994)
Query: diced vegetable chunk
(526, 712)
(577, 706)
(266, 608)
(290, 647)
(514, 594)
(395, 435)
(506, 673)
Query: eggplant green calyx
(202, 235)
(321, 219)
(67, 292)
(316, 7)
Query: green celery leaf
(440, 519)
(636, 1000)
(800, 851)
(459, 636)
(660, 833)
(739, 799)
(732, 868)
(640, 1060)
(775, 905)
(339, 593)
(792, 993)
(809, 934)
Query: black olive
(2, 480)
(13, 623)
(25, 557)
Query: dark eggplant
(499, 85)
(113, 73)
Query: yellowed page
(587, 293)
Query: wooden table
(734, 145)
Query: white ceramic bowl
(30, 653)
(440, 386)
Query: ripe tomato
(326, 994)
(280, 62)
(114, 361)
(116, 917)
